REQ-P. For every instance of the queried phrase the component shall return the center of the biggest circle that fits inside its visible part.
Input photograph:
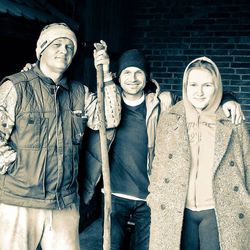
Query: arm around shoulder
(166, 101)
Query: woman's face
(200, 88)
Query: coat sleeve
(245, 140)
(112, 101)
(8, 99)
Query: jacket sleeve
(175, 98)
(91, 164)
(228, 96)
(166, 100)
(112, 102)
(8, 99)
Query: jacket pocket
(31, 130)
(79, 121)
(26, 177)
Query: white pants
(24, 228)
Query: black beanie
(132, 58)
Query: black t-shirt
(128, 153)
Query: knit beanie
(132, 58)
(52, 32)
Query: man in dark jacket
(43, 116)
(131, 150)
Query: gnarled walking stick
(104, 157)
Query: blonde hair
(205, 65)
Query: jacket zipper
(57, 113)
(197, 166)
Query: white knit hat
(52, 32)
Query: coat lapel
(224, 129)
(181, 126)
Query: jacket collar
(152, 99)
(224, 129)
(63, 82)
(178, 109)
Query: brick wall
(174, 32)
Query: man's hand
(233, 109)
(28, 66)
(101, 56)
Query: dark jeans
(124, 210)
(200, 231)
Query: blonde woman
(200, 183)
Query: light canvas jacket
(156, 103)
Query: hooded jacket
(171, 171)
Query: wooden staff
(104, 155)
